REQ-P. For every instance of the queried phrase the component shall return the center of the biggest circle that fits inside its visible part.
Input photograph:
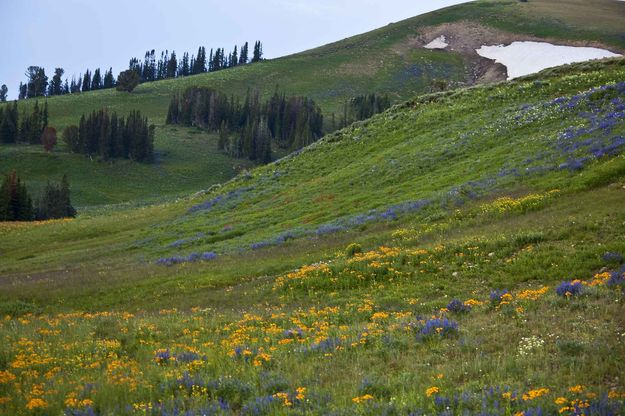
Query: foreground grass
(349, 334)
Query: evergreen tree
(293, 122)
(110, 136)
(65, 87)
(199, 64)
(70, 137)
(44, 116)
(172, 65)
(15, 203)
(86, 82)
(234, 58)
(37, 82)
(56, 85)
(127, 80)
(3, 93)
(9, 124)
(184, 65)
(173, 111)
(149, 66)
(31, 127)
(244, 54)
(22, 91)
(54, 201)
(258, 52)
(109, 79)
(68, 209)
(96, 81)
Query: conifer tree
(127, 80)
(37, 82)
(234, 58)
(258, 52)
(15, 203)
(54, 201)
(109, 80)
(96, 81)
(86, 82)
(3, 93)
(244, 54)
(172, 65)
(184, 66)
(56, 85)
(22, 91)
(173, 111)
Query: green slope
(524, 183)
(425, 158)
(387, 60)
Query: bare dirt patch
(465, 37)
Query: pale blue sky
(81, 34)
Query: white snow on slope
(438, 43)
(524, 58)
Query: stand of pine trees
(248, 129)
(24, 129)
(363, 107)
(109, 136)
(150, 69)
(17, 205)
(169, 66)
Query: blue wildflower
(458, 306)
(568, 289)
(438, 327)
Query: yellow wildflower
(432, 390)
(6, 377)
(379, 315)
(301, 393)
(533, 394)
(576, 389)
(36, 403)
(362, 399)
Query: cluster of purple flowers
(346, 223)
(497, 295)
(437, 327)
(612, 257)
(617, 278)
(568, 289)
(209, 204)
(191, 258)
(262, 405)
(163, 356)
(293, 333)
(457, 306)
(326, 345)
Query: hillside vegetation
(390, 60)
(409, 264)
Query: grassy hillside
(388, 60)
(186, 161)
(245, 300)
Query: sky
(80, 34)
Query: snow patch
(524, 58)
(438, 43)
